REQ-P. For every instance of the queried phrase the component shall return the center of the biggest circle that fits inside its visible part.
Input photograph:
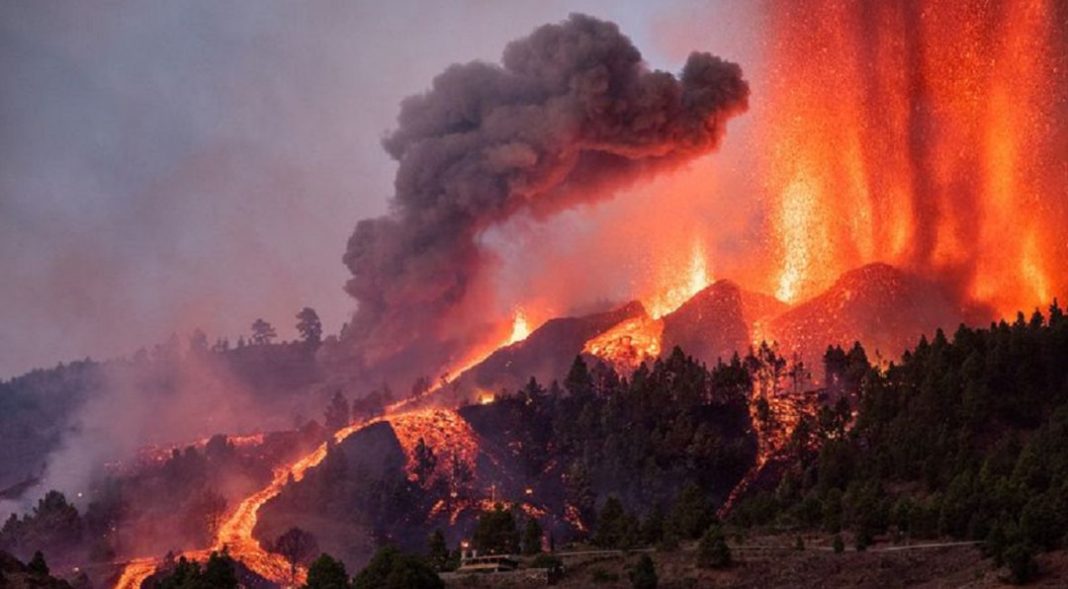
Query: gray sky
(169, 165)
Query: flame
(692, 280)
(235, 532)
(520, 328)
(925, 135)
(135, 573)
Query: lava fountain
(930, 136)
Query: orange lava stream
(136, 572)
(235, 533)
(443, 431)
(785, 411)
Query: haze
(171, 166)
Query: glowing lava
(135, 573)
(628, 344)
(235, 533)
(444, 432)
(927, 135)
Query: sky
(177, 165)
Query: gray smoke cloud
(571, 113)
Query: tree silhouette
(327, 573)
(262, 332)
(296, 546)
(309, 326)
(532, 535)
(643, 576)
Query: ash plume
(571, 113)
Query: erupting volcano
(930, 136)
(909, 164)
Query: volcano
(545, 354)
(716, 322)
(884, 308)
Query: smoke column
(569, 114)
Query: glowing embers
(688, 281)
(923, 135)
(628, 344)
(798, 213)
(438, 443)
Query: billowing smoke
(571, 113)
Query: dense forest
(965, 437)
(565, 448)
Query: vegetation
(966, 437)
(496, 532)
(326, 572)
(643, 575)
(532, 537)
(297, 547)
(438, 551)
(54, 526)
(36, 574)
(393, 569)
(309, 327)
(712, 550)
(218, 573)
(673, 425)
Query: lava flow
(438, 429)
(628, 344)
(235, 532)
(635, 340)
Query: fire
(520, 328)
(235, 533)
(692, 280)
(629, 343)
(929, 136)
(447, 434)
(135, 573)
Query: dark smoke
(571, 113)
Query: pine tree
(437, 550)
(532, 536)
(219, 572)
(309, 326)
(37, 565)
(327, 573)
(712, 550)
(643, 576)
